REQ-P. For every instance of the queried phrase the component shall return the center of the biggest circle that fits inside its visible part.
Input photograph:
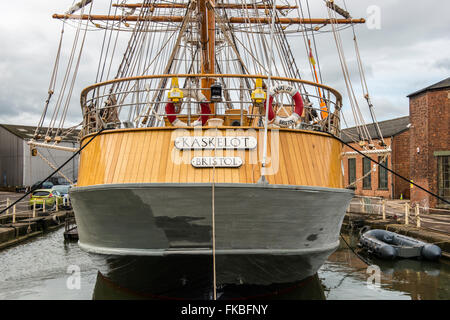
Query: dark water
(41, 269)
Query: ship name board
(210, 143)
(218, 162)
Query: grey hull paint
(255, 224)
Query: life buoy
(205, 110)
(298, 110)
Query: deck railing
(402, 212)
(140, 102)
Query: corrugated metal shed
(18, 168)
(11, 159)
(27, 132)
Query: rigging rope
(392, 171)
(269, 88)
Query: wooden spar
(52, 146)
(231, 20)
(295, 20)
(207, 41)
(218, 6)
(78, 6)
(211, 47)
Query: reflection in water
(37, 269)
(421, 279)
(190, 277)
(308, 289)
(412, 278)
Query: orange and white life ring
(298, 110)
(171, 110)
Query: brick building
(380, 182)
(420, 151)
(429, 152)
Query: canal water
(48, 268)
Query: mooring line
(392, 171)
(357, 255)
(214, 224)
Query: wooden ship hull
(208, 157)
(138, 195)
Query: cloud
(408, 53)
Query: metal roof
(388, 128)
(27, 132)
(437, 86)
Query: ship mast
(208, 43)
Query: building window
(367, 181)
(351, 170)
(444, 177)
(382, 174)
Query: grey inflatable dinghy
(390, 245)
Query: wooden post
(417, 215)
(406, 213)
(34, 209)
(383, 209)
(7, 205)
(363, 208)
(56, 199)
(43, 205)
(14, 214)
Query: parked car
(42, 185)
(64, 192)
(48, 196)
(49, 183)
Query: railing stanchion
(406, 213)
(417, 216)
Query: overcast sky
(410, 51)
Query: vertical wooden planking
(294, 175)
(96, 153)
(123, 156)
(151, 155)
(301, 178)
(110, 154)
(170, 164)
(326, 161)
(117, 147)
(175, 155)
(308, 160)
(316, 143)
(131, 169)
(164, 155)
(146, 156)
(140, 154)
(158, 136)
(287, 166)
